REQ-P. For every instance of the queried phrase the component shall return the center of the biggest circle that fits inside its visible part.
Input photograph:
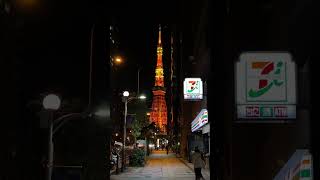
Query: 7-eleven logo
(268, 77)
(193, 86)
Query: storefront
(200, 136)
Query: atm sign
(266, 111)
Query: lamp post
(125, 97)
(126, 100)
(51, 103)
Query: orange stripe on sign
(259, 65)
(306, 161)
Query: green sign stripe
(260, 92)
(305, 173)
(204, 116)
(195, 125)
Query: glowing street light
(51, 102)
(126, 99)
(125, 94)
(118, 60)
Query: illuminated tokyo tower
(159, 107)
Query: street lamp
(50, 103)
(125, 93)
(118, 60)
(126, 99)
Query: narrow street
(159, 166)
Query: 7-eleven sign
(193, 88)
(266, 81)
(265, 85)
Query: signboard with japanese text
(265, 86)
(200, 120)
(193, 89)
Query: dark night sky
(52, 43)
(138, 33)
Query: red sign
(252, 111)
(280, 111)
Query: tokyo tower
(158, 114)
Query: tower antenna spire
(159, 40)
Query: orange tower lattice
(159, 106)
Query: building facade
(194, 62)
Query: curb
(186, 164)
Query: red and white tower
(159, 106)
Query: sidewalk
(114, 171)
(205, 172)
(160, 166)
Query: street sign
(265, 86)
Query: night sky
(52, 45)
(50, 42)
(53, 42)
(138, 34)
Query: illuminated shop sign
(298, 167)
(265, 86)
(193, 89)
(200, 120)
